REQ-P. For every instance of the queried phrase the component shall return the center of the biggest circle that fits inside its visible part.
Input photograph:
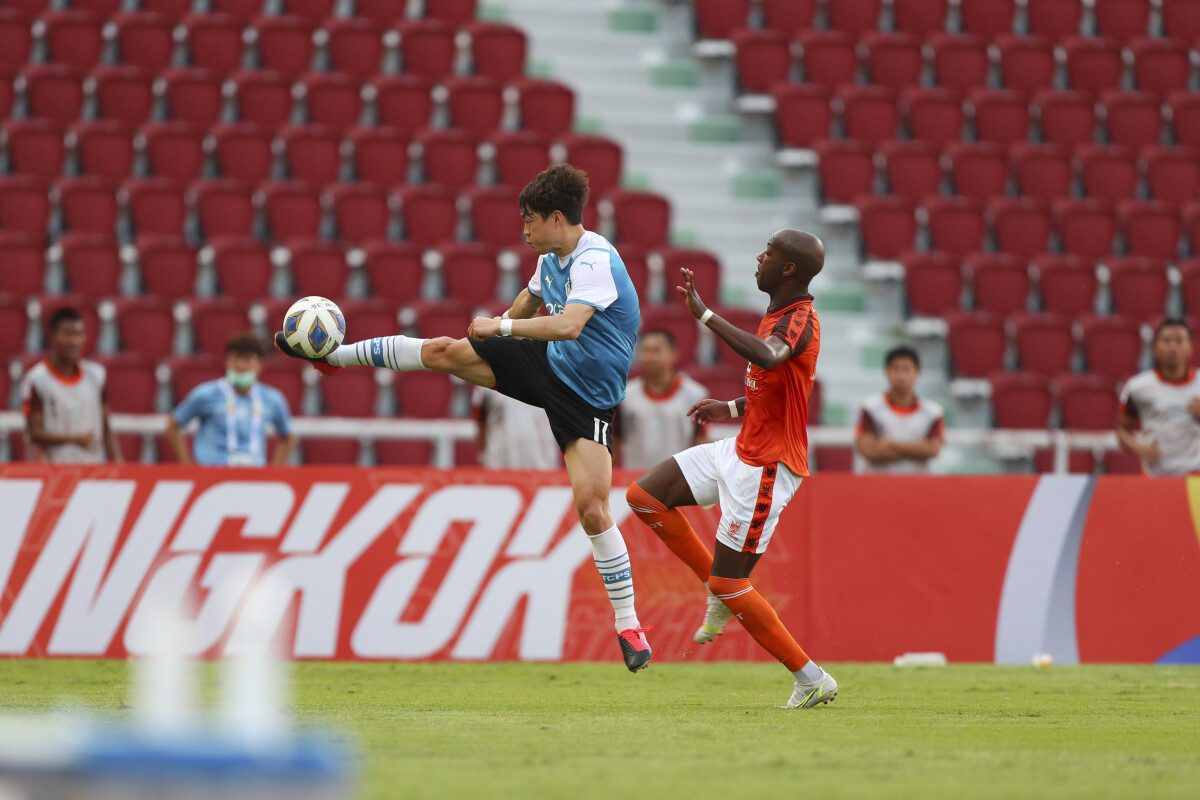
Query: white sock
(612, 562)
(809, 673)
(400, 353)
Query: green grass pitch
(714, 730)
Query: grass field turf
(714, 730)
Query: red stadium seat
(223, 207)
(788, 16)
(470, 273)
(922, 17)
(1112, 346)
(1043, 171)
(1068, 284)
(52, 91)
(379, 155)
(14, 325)
(242, 151)
(893, 59)
(1185, 117)
(1122, 463)
(704, 265)
(599, 156)
(214, 41)
(424, 395)
(1026, 62)
(493, 214)
(988, 18)
(519, 156)
(404, 102)
(718, 19)
(74, 38)
(475, 103)
(846, 168)
(1109, 172)
(283, 44)
(956, 224)
(1172, 173)
(1160, 65)
(1093, 64)
(191, 95)
(394, 270)
(24, 206)
(168, 266)
(442, 318)
(934, 115)
(1001, 117)
(933, 283)
(642, 218)
(262, 97)
(16, 40)
(1068, 118)
(354, 45)
(802, 113)
(1189, 284)
(332, 99)
(315, 10)
(291, 209)
(8, 93)
(681, 324)
(154, 205)
(371, 318)
(172, 149)
(214, 320)
(242, 266)
(34, 147)
(977, 343)
(362, 211)
(411, 453)
(332, 451)
(979, 169)
(1086, 227)
(854, 16)
(454, 12)
(887, 225)
(1152, 229)
(1045, 343)
(91, 263)
(829, 58)
(130, 386)
(143, 40)
(426, 47)
(960, 61)
(450, 156)
(1055, 19)
(145, 326)
(1089, 402)
(545, 106)
(1191, 224)
(497, 50)
(125, 94)
(1139, 287)
(311, 152)
(1122, 19)
(286, 375)
(382, 11)
(24, 262)
(1022, 225)
(764, 58)
(350, 393)
(868, 112)
(1134, 119)
(429, 213)
(238, 9)
(103, 148)
(1021, 400)
(86, 205)
(318, 267)
(1181, 19)
(1000, 282)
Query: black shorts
(523, 372)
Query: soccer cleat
(635, 648)
(808, 695)
(319, 364)
(715, 619)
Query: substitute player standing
(755, 475)
(1166, 400)
(572, 363)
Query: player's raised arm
(763, 353)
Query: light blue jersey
(596, 365)
(217, 406)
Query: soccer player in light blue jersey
(573, 363)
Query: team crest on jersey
(735, 528)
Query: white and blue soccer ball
(314, 326)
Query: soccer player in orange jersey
(755, 475)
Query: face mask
(240, 380)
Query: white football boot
(808, 695)
(716, 617)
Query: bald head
(803, 249)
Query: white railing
(445, 432)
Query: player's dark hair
(558, 188)
(666, 334)
(64, 314)
(903, 351)
(1172, 322)
(244, 344)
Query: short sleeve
(281, 415)
(937, 430)
(1128, 404)
(28, 391)
(193, 405)
(535, 283)
(866, 424)
(795, 329)
(592, 280)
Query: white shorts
(751, 498)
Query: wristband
(506, 327)
(505, 316)
(733, 412)
(706, 316)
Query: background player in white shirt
(898, 432)
(64, 398)
(652, 421)
(1166, 400)
(513, 435)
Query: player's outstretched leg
(403, 354)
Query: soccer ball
(314, 326)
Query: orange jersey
(776, 424)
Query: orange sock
(673, 528)
(759, 618)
